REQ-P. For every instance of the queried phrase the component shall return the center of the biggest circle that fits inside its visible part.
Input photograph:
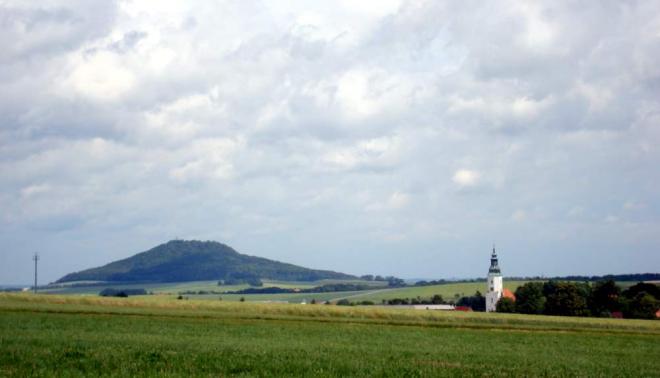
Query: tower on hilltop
(495, 284)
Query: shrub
(122, 293)
(506, 305)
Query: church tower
(495, 285)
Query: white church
(495, 285)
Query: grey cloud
(39, 31)
(330, 137)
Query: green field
(450, 291)
(173, 288)
(155, 335)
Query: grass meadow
(156, 335)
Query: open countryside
(295, 188)
(134, 336)
(220, 328)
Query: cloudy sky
(387, 137)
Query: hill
(181, 261)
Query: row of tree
(391, 280)
(600, 299)
(436, 299)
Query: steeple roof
(494, 266)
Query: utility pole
(35, 258)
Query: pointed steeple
(494, 267)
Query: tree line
(600, 299)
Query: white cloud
(101, 76)
(292, 127)
(466, 177)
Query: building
(444, 307)
(506, 293)
(495, 285)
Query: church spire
(494, 266)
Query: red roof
(463, 308)
(506, 293)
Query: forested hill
(181, 261)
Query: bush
(343, 302)
(477, 302)
(505, 305)
(398, 301)
(122, 293)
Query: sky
(386, 137)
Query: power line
(35, 258)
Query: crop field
(155, 335)
(173, 288)
(449, 291)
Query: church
(495, 287)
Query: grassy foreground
(73, 335)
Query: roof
(506, 293)
(494, 266)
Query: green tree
(643, 306)
(604, 299)
(505, 305)
(649, 288)
(565, 298)
(530, 298)
(437, 299)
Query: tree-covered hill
(181, 260)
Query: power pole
(35, 258)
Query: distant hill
(181, 261)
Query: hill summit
(192, 260)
